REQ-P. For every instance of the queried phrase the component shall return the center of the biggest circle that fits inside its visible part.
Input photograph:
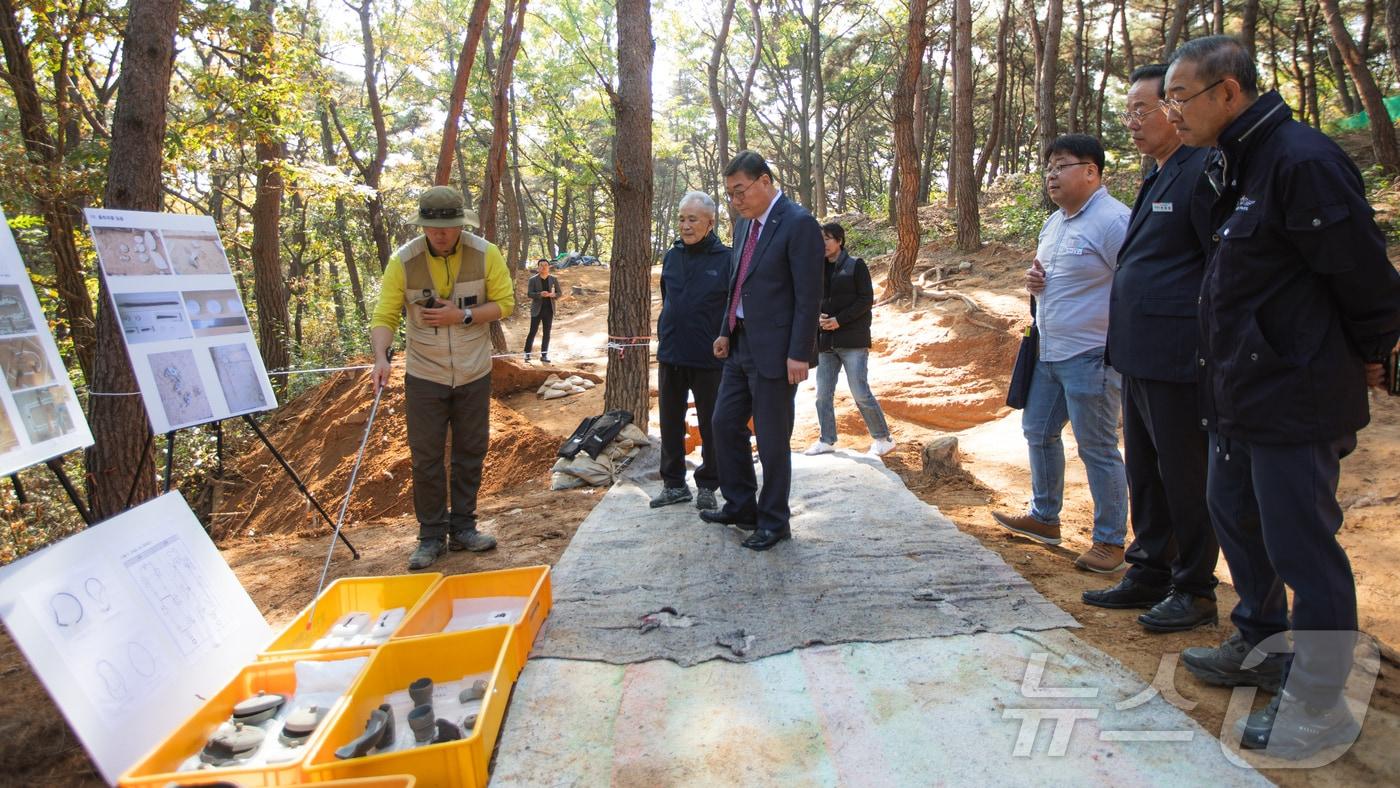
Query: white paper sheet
(131, 625)
(182, 318)
(39, 414)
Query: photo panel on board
(183, 320)
(40, 417)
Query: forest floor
(939, 368)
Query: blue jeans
(855, 360)
(1082, 391)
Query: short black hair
(1080, 146)
(836, 231)
(749, 163)
(1157, 71)
(542, 260)
(1218, 57)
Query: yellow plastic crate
(392, 668)
(158, 767)
(372, 595)
(394, 781)
(434, 610)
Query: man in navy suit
(767, 339)
(1152, 342)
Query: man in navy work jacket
(1299, 307)
(767, 338)
(1152, 342)
(694, 281)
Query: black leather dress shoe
(1126, 594)
(1178, 613)
(765, 539)
(722, 517)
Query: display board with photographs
(39, 415)
(191, 345)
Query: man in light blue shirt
(1072, 277)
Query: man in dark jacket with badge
(694, 282)
(1152, 342)
(1298, 308)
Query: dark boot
(1126, 594)
(1178, 613)
(1224, 665)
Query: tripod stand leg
(57, 468)
(169, 458)
(296, 479)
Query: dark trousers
(1165, 453)
(1276, 514)
(434, 412)
(744, 393)
(545, 318)
(675, 383)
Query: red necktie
(744, 259)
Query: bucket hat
(443, 206)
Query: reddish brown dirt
(319, 433)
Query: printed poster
(39, 414)
(181, 316)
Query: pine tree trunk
(906, 156)
(269, 284)
(716, 100)
(1382, 130)
(968, 221)
(119, 426)
(448, 149)
(629, 296)
(1049, 72)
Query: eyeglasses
(1054, 172)
(1175, 105)
(1130, 117)
(439, 213)
(738, 194)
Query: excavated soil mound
(319, 433)
(949, 373)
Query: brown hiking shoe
(1029, 527)
(1102, 558)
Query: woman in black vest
(844, 342)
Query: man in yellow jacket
(452, 284)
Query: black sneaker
(670, 495)
(426, 553)
(1127, 594)
(1291, 728)
(1224, 665)
(705, 500)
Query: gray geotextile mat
(868, 562)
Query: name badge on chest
(1161, 207)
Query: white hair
(704, 199)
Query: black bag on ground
(604, 430)
(1019, 391)
(571, 446)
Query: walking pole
(345, 502)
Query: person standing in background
(544, 293)
(844, 343)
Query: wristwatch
(467, 318)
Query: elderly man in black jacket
(1298, 309)
(694, 281)
(1152, 342)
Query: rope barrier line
(610, 345)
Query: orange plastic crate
(435, 609)
(392, 668)
(372, 595)
(158, 767)
(395, 781)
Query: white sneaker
(818, 447)
(881, 447)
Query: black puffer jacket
(848, 297)
(694, 282)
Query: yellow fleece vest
(451, 355)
